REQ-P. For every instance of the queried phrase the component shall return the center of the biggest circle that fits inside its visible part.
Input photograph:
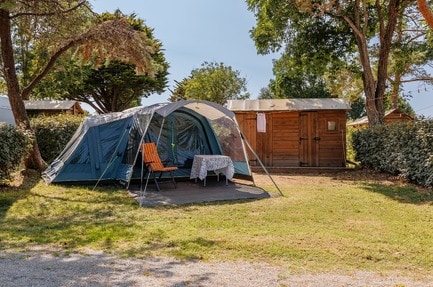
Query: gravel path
(97, 269)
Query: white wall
(5, 111)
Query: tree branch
(426, 12)
(26, 90)
(420, 79)
(61, 11)
(105, 39)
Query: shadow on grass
(403, 194)
(67, 231)
(193, 206)
(108, 195)
(10, 194)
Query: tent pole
(160, 131)
(261, 163)
(142, 193)
(141, 179)
(135, 160)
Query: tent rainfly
(106, 147)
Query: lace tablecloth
(216, 163)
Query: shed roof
(297, 104)
(49, 105)
(364, 120)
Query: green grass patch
(324, 225)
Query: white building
(6, 115)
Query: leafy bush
(350, 152)
(404, 149)
(15, 145)
(54, 132)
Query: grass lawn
(323, 223)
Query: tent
(106, 147)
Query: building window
(332, 126)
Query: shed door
(309, 139)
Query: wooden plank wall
(248, 125)
(332, 149)
(397, 116)
(279, 146)
(284, 139)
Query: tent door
(309, 139)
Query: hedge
(15, 145)
(404, 149)
(54, 132)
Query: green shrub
(404, 149)
(350, 152)
(15, 145)
(54, 132)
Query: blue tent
(106, 147)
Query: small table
(216, 163)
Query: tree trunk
(386, 33)
(375, 87)
(368, 79)
(371, 102)
(426, 12)
(13, 88)
(395, 91)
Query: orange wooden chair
(154, 164)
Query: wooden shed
(294, 132)
(52, 107)
(390, 116)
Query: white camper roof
(6, 115)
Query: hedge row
(54, 132)
(404, 149)
(15, 145)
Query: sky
(196, 31)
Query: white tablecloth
(216, 163)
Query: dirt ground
(315, 176)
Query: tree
(96, 41)
(369, 26)
(302, 68)
(178, 94)
(213, 82)
(266, 93)
(112, 87)
(293, 80)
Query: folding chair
(154, 164)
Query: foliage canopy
(355, 48)
(213, 82)
(111, 87)
(57, 27)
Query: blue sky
(195, 31)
